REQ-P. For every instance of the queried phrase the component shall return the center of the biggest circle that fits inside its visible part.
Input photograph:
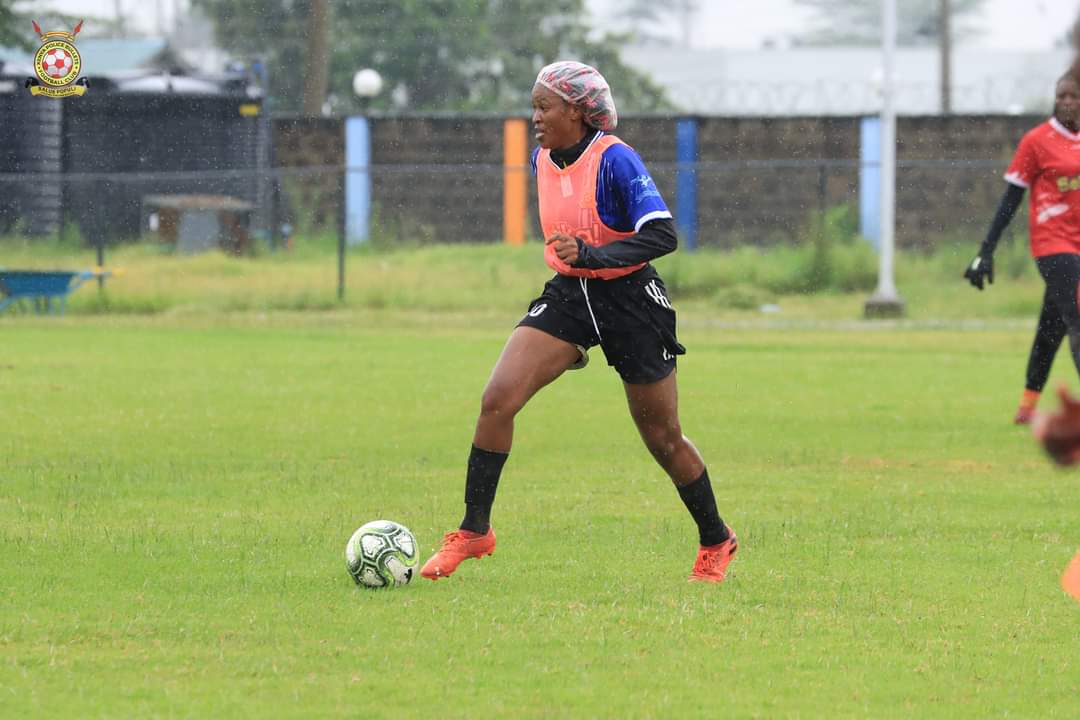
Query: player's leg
(654, 408)
(530, 360)
(1049, 333)
(1062, 275)
(642, 346)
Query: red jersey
(1047, 163)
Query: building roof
(105, 56)
(847, 81)
(136, 65)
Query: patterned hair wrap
(584, 86)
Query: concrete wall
(437, 178)
(440, 178)
(307, 151)
(759, 180)
(949, 175)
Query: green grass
(177, 491)
(809, 282)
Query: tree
(17, 30)
(643, 16)
(433, 54)
(858, 22)
(12, 30)
(317, 60)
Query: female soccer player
(603, 220)
(1048, 162)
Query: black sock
(699, 500)
(481, 481)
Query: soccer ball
(381, 554)
(57, 63)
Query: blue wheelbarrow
(42, 287)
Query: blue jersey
(626, 196)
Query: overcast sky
(1012, 24)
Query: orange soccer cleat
(457, 546)
(712, 561)
(1024, 415)
(1025, 412)
(1070, 581)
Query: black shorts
(1062, 298)
(630, 318)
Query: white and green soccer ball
(381, 554)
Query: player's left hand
(566, 247)
(1059, 433)
(980, 269)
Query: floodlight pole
(886, 302)
(945, 51)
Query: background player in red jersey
(603, 221)
(1059, 434)
(1048, 163)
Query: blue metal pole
(870, 179)
(686, 153)
(357, 180)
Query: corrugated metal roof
(102, 56)
(846, 81)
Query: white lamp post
(367, 83)
(886, 302)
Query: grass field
(177, 492)
(497, 280)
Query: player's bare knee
(663, 441)
(499, 400)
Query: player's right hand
(566, 247)
(979, 269)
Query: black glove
(981, 267)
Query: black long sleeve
(1010, 203)
(656, 238)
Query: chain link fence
(739, 203)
